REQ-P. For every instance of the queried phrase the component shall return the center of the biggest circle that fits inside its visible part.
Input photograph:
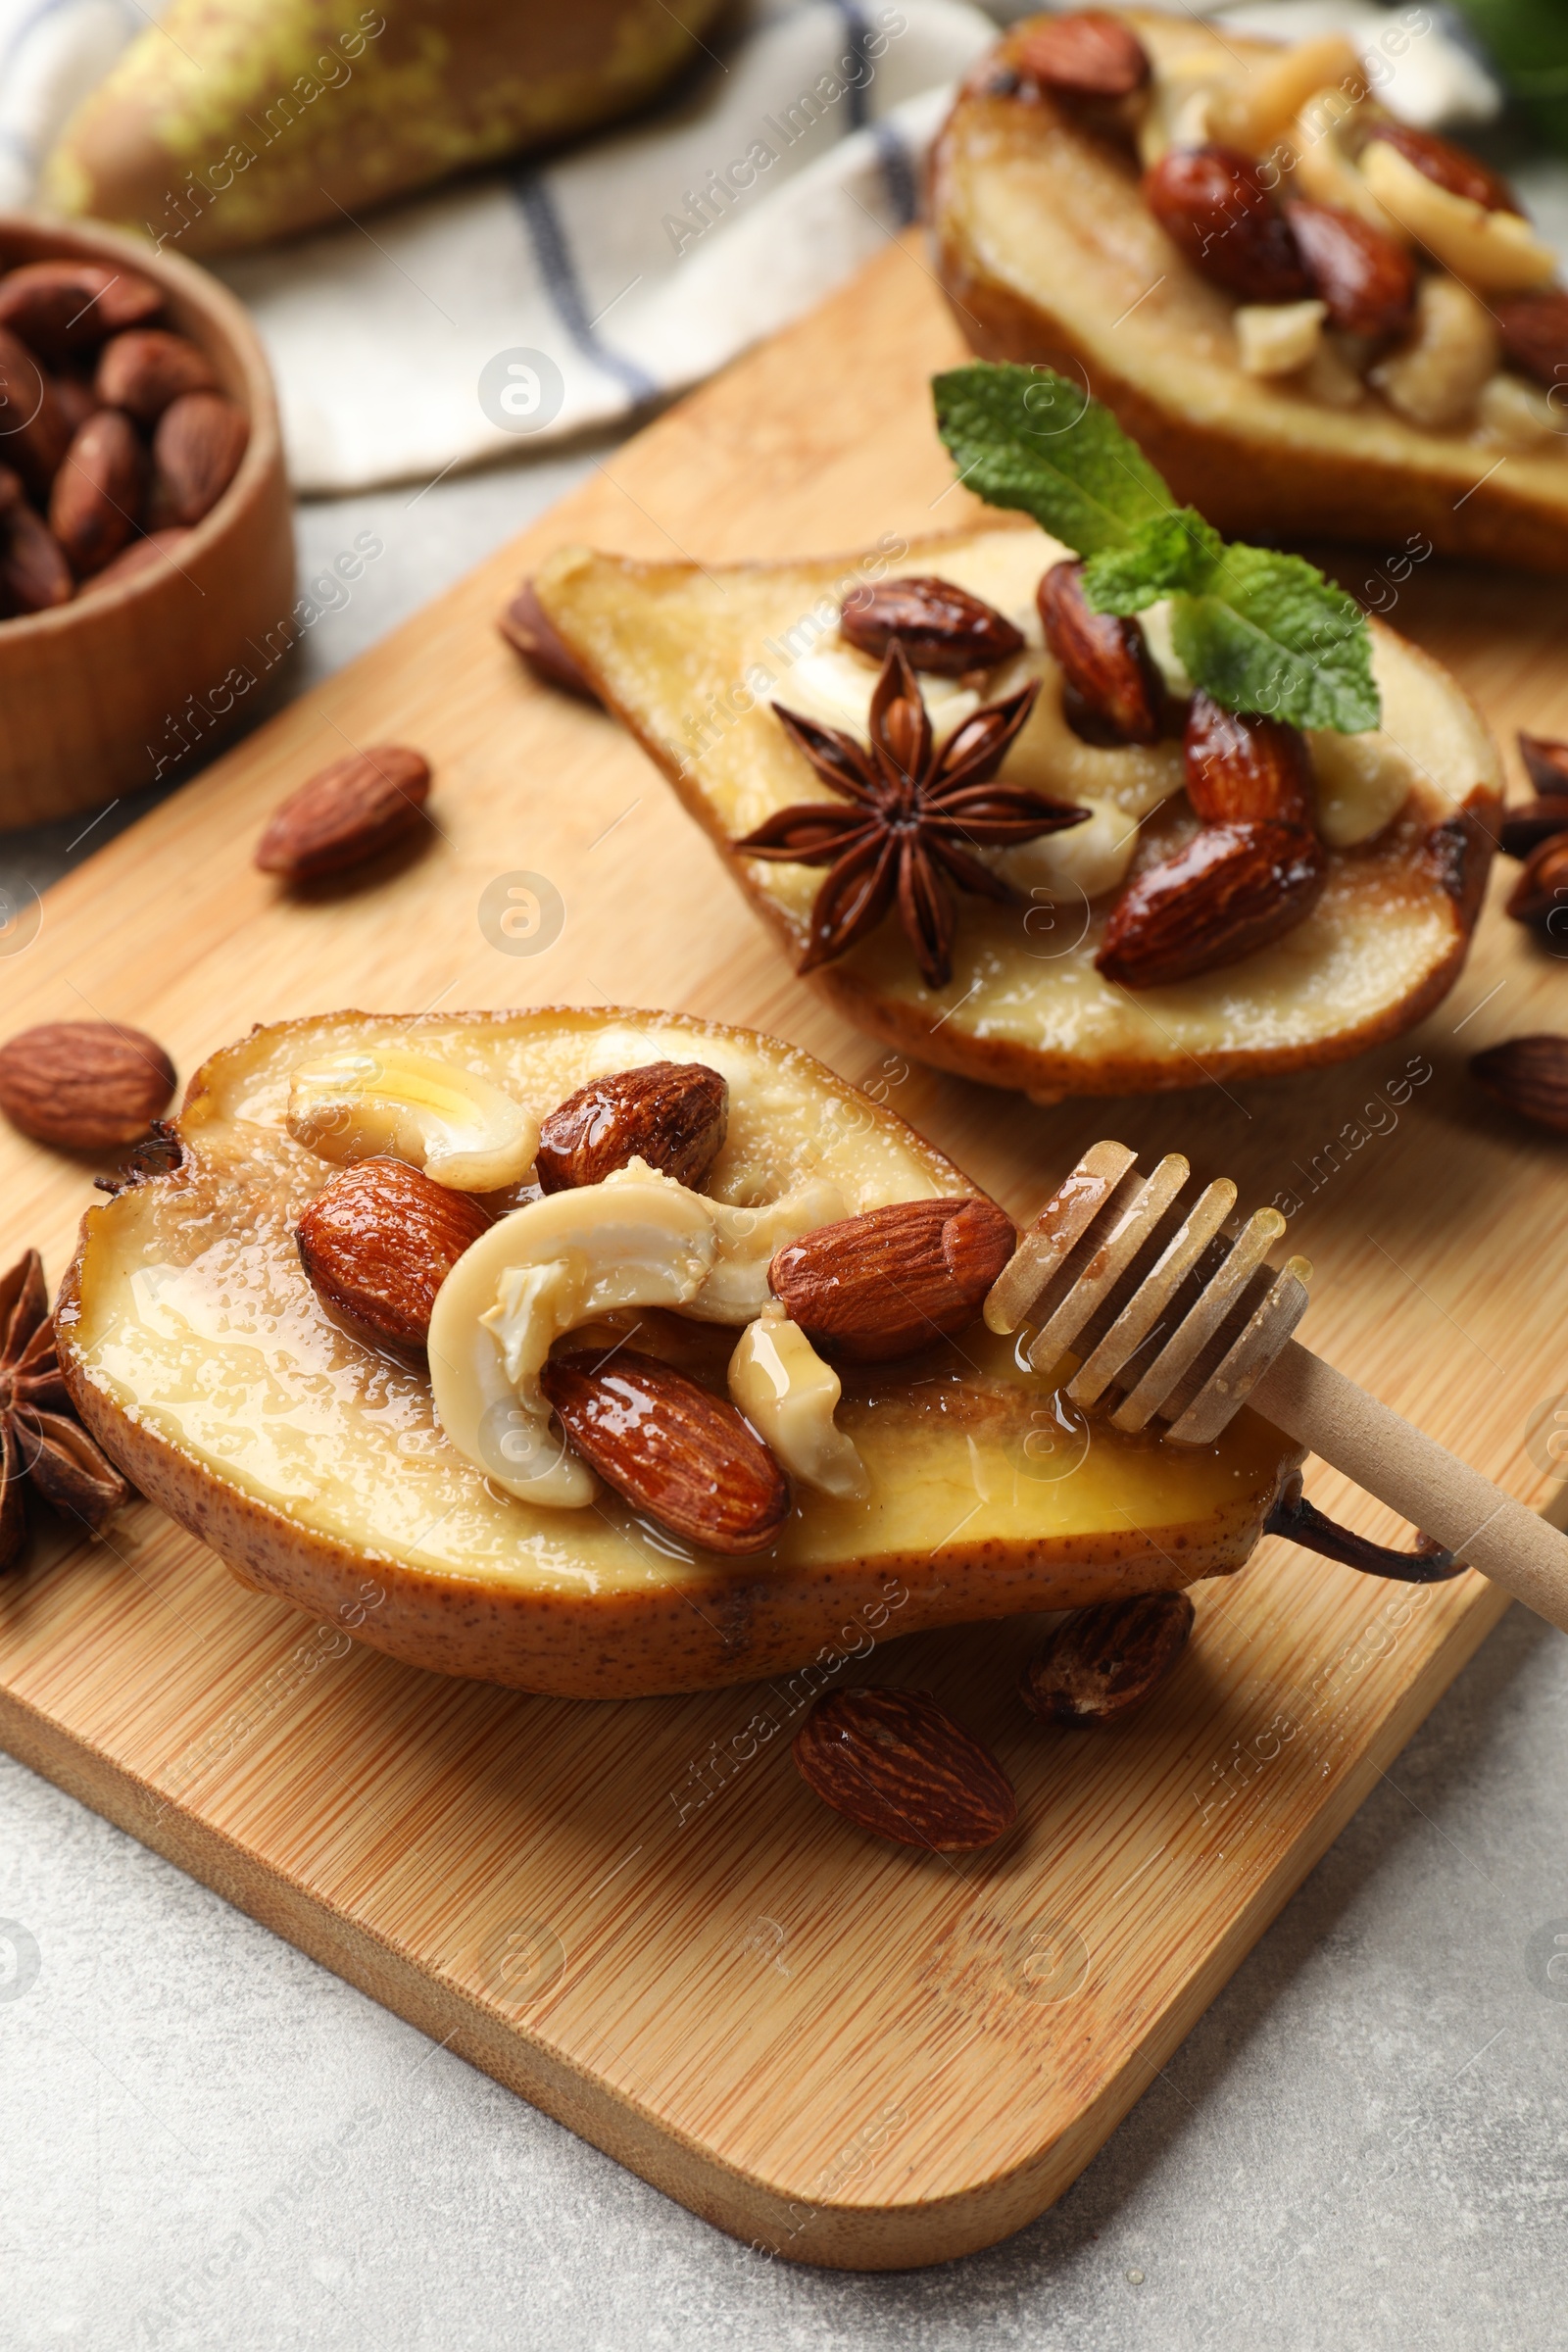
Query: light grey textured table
(209, 2142)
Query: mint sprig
(1258, 630)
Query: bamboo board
(636, 1914)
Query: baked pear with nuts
(1315, 318)
(640, 1431)
(1131, 888)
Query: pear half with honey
(1048, 251)
(693, 661)
(198, 1354)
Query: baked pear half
(692, 1388)
(1315, 319)
(699, 664)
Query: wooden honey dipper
(1177, 1320)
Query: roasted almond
(157, 550)
(1105, 661)
(1453, 168)
(95, 505)
(672, 1114)
(34, 574)
(379, 1240)
(1367, 281)
(1229, 890)
(1085, 55)
(84, 1084)
(1241, 768)
(1534, 333)
(670, 1449)
(65, 307)
(1528, 1075)
(1523, 827)
(1102, 1662)
(1212, 204)
(144, 370)
(941, 629)
(529, 630)
(897, 1765)
(196, 449)
(33, 430)
(77, 401)
(347, 814)
(1545, 764)
(1539, 897)
(896, 1279)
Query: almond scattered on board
(1102, 1662)
(894, 1280)
(670, 1449)
(1528, 1075)
(379, 1240)
(62, 308)
(1539, 897)
(143, 370)
(674, 1115)
(84, 1084)
(897, 1764)
(941, 629)
(1547, 760)
(95, 505)
(1112, 677)
(197, 448)
(346, 814)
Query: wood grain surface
(636, 1914)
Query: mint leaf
(1024, 437)
(1176, 552)
(1271, 634)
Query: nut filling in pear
(949, 1485)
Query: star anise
(41, 1437)
(913, 810)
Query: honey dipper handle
(1418, 1478)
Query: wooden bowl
(102, 696)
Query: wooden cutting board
(635, 1914)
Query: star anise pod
(41, 1437)
(913, 809)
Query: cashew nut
(369, 1099)
(1496, 253)
(789, 1396)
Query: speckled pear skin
(237, 122)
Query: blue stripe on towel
(560, 273)
(856, 33)
(897, 174)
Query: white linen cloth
(566, 294)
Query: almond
(1539, 897)
(894, 1280)
(34, 574)
(674, 1115)
(1102, 1662)
(1105, 661)
(379, 1240)
(1523, 827)
(84, 1084)
(941, 629)
(61, 307)
(1086, 55)
(196, 449)
(1535, 332)
(670, 1449)
(900, 1766)
(529, 630)
(1214, 205)
(1453, 168)
(1547, 764)
(1367, 281)
(157, 550)
(77, 401)
(33, 431)
(347, 814)
(142, 371)
(1229, 890)
(1528, 1075)
(95, 505)
(1243, 769)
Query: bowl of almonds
(146, 548)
